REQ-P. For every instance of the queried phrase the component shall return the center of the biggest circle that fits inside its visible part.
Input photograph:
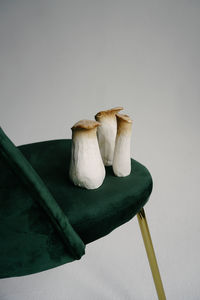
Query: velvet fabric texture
(30, 239)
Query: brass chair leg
(151, 254)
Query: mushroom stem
(86, 165)
(106, 133)
(122, 159)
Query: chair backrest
(32, 180)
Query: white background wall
(62, 61)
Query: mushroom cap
(85, 124)
(124, 118)
(124, 124)
(108, 113)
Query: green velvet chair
(46, 221)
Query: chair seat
(28, 241)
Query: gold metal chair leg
(151, 254)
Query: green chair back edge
(29, 176)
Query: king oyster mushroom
(106, 133)
(122, 159)
(86, 165)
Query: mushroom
(86, 165)
(106, 133)
(122, 159)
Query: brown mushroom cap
(85, 124)
(85, 128)
(124, 118)
(124, 124)
(108, 113)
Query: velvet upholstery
(29, 240)
(40, 192)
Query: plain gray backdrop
(62, 61)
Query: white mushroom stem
(122, 158)
(106, 133)
(86, 166)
